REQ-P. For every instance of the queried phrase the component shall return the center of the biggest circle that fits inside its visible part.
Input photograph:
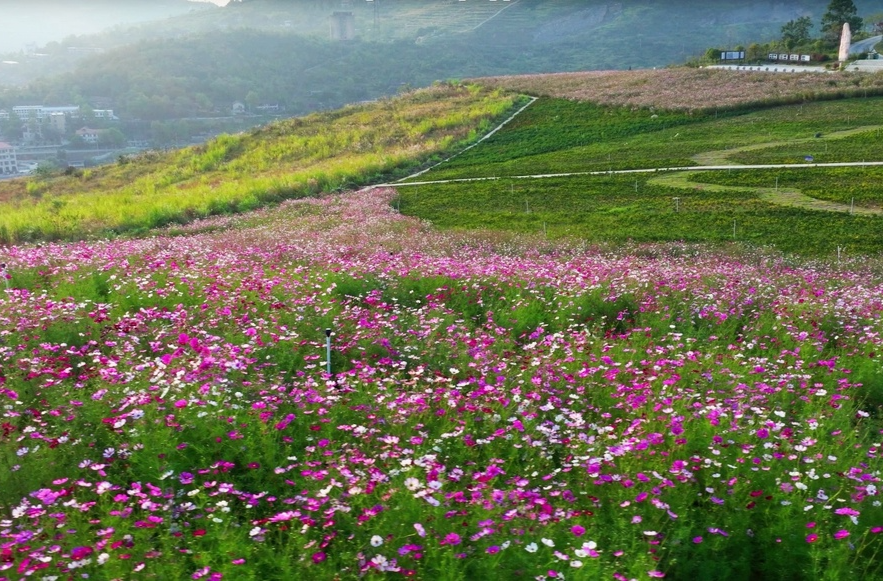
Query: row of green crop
(556, 135)
(626, 208)
(865, 146)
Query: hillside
(280, 53)
(571, 168)
(287, 159)
(553, 169)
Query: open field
(499, 406)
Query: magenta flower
(78, 553)
(319, 557)
(811, 538)
(578, 530)
(451, 539)
(841, 534)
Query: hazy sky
(42, 21)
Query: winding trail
(780, 196)
(680, 177)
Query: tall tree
(796, 32)
(838, 13)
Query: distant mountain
(275, 52)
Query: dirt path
(782, 197)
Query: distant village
(74, 136)
(65, 133)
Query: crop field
(498, 406)
(557, 135)
(562, 136)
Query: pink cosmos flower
(451, 539)
(841, 534)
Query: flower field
(690, 89)
(498, 407)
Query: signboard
(732, 55)
(789, 57)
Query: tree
(113, 137)
(796, 32)
(838, 13)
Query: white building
(89, 135)
(103, 114)
(8, 164)
(38, 112)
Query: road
(636, 171)
(865, 45)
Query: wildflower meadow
(498, 406)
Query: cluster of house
(8, 163)
(56, 118)
(35, 120)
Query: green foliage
(557, 136)
(796, 32)
(838, 13)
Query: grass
(557, 135)
(610, 209)
(560, 136)
(234, 173)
